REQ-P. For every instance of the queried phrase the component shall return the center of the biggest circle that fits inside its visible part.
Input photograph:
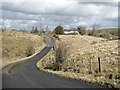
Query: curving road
(26, 75)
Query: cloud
(19, 15)
(64, 7)
(69, 13)
(98, 1)
(113, 4)
(112, 15)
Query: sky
(25, 14)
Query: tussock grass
(18, 44)
(108, 33)
(82, 60)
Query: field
(81, 63)
(18, 44)
(107, 33)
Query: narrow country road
(28, 76)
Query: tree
(40, 31)
(81, 30)
(94, 27)
(59, 30)
(34, 30)
(3, 29)
(61, 53)
(47, 29)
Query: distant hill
(113, 31)
(108, 33)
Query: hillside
(18, 44)
(81, 61)
(107, 33)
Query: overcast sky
(22, 14)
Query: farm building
(71, 32)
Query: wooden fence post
(99, 63)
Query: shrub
(56, 37)
(60, 56)
(30, 51)
(34, 30)
(117, 76)
(81, 30)
(104, 35)
(110, 76)
(91, 32)
(44, 40)
(59, 30)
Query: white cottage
(71, 32)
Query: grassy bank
(18, 44)
(81, 62)
(108, 33)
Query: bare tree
(81, 29)
(95, 26)
(34, 30)
(47, 28)
(60, 56)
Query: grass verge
(19, 46)
(74, 68)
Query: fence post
(99, 63)
(90, 67)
